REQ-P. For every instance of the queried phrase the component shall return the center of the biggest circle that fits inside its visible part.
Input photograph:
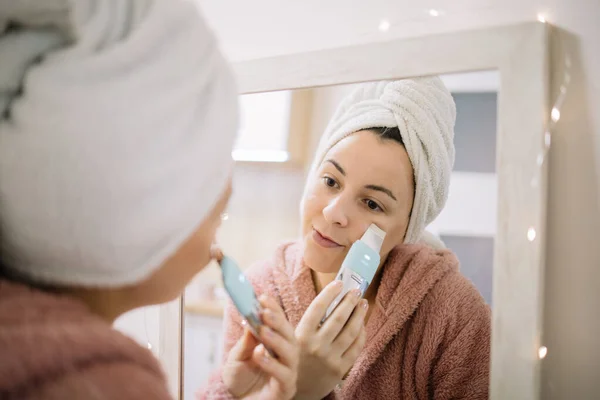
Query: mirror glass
(278, 137)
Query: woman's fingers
(339, 317)
(316, 310)
(350, 355)
(352, 329)
(277, 333)
(216, 253)
(274, 317)
(244, 348)
(272, 367)
(285, 350)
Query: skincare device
(360, 265)
(242, 293)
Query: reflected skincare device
(242, 293)
(359, 266)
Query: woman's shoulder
(436, 274)
(54, 347)
(454, 297)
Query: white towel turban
(117, 121)
(425, 113)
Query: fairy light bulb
(541, 18)
(531, 234)
(540, 159)
(384, 25)
(542, 352)
(555, 114)
(534, 182)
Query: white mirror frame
(520, 54)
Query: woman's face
(363, 180)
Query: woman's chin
(321, 260)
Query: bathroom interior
(280, 129)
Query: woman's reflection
(422, 329)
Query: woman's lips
(324, 241)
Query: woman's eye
(329, 181)
(372, 205)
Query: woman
(422, 330)
(117, 121)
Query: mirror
(506, 198)
(278, 137)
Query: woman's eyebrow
(381, 189)
(337, 166)
(370, 187)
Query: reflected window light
(261, 155)
(264, 127)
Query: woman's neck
(108, 304)
(322, 279)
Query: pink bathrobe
(53, 348)
(428, 336)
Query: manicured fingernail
(338, 284)
(356, 293)
(365, 304)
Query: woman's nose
(336, 213)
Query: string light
(534, 182)
(531, 234)
(148, 344)
(540, 159)
(434, 13)
(224, 217)
(547, 141)
(384, 25)
(555, 114)
(542, 352)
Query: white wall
(141, 325)
(263, 28)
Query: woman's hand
(328, 352)
(250, 372)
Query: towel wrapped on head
(425, 113)
(117, 120)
